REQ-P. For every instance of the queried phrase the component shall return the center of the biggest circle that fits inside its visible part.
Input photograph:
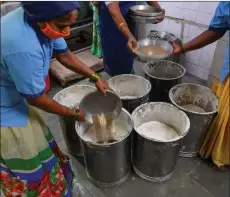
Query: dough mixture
(156, 130)
(118, 131)
(152, 50)
(194, 108)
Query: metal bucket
(188, 93)
(155, 160)
(132, 89)
(108, 165)
(163, 75)
(68, 123)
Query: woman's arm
(71, 62)
(49, 105)
(121, 24)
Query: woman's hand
(177, 49)
(162, 16)
(132, 44)
(102, 86)
(79, 114)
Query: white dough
(193, 108)
(156, 130)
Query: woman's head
(53, 18)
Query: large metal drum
(187, 94)
(63, 97)
(108, 165)
(163, 75)
(132, 89)
(154, 160)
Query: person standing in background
(117, 33)
(216, 142)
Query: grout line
(193, 170)
(201, 187)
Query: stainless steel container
(96, 103)
(155, 160)
(147, 42)
(188, 93)
(132, 89)
(68, 123)
(108, 165)
(167, 36)
(163, 75)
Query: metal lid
(145, 10)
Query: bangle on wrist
(77, 112)
(120, 25)
(94, 78)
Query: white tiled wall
(197, 62)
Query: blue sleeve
(60, 45)
(219, 21)
(27, 72)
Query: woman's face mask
(53, 34)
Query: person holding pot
(216, 142)
(117, 33)
(31, 162)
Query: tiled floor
(192, 177)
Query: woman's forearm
(49, 105)
(119, 20)
(207, 37)
(72, 63)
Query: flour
(128, 97)
(156, 130)
(72, 100)
(117, 132)
(193, 108)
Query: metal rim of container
(188, 154)
(103, 185)
(170, 105)
(188, 111)
(165, 79)
(109, 144)
(134, 9)
(151, 179)
(70, 87)
(136, 76)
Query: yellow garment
(216, 143)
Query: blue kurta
(117, 58)
(221, 23)
(25, 60)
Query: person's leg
(32, 162)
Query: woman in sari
(117, 33)
(216, 143)
(31, 162)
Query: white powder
(128, 97)
(118, 131)
(156, 130)
(72, 100)
(193, 108)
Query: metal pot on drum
(163, 75)
(155, 160)
(68, 123)
(108, 165)
(188, 93)
(132, 89)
